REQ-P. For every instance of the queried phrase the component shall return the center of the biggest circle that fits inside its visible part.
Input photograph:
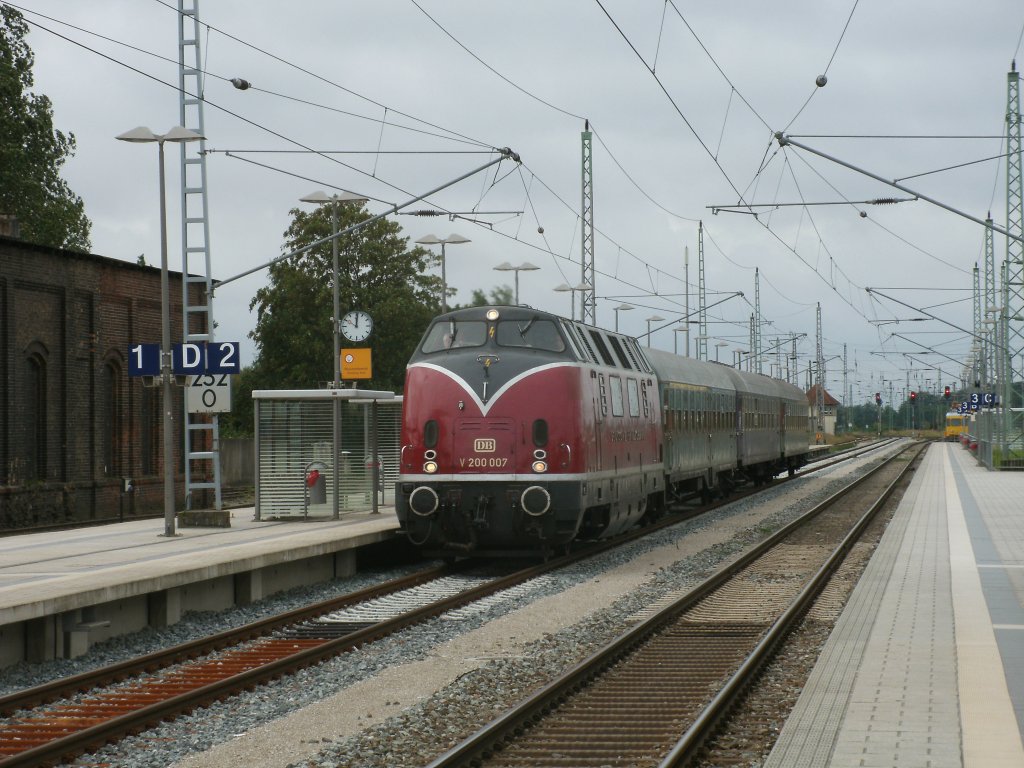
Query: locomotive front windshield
(532, 333)
(449, 334)
(528, 333)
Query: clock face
(356, 326)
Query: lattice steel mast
(977, 373)
(702, 312)
(988, 307)
(202, 434)
(588, 300)
(758, 368)
(1013, 286)
(820, 382)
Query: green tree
(501, 295)
(32, 152)
(379, 273)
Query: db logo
(485, 445)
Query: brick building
(829, 412)
(73, 425)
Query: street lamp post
(524, 267)
(319, 198)
(564, 287)
(143, 135)
(621, 308)
(719, 345)
(452, 239)
(675, 338)
(652, 319)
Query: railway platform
(63, 591)
(926, 664)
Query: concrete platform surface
(924, 667)
(44, 573)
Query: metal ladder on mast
(202, 432)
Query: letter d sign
(188, 359)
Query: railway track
(75, 715)
(680, 669)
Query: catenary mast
(201, 434)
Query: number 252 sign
(208, 393)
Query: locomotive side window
(633, 392)
(538, 334)
(540, 433)
(601, 347)
(619, 353)
(449, 334)
(586, 344)
(615, 384)
(430, 434)
(574, 343)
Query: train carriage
(523, 431)
(699, 413)
(772, 423)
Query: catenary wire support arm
(996, 344)
(506, 154)
(785, 140)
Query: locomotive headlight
(430, 467)
(540, 466)
(492, 314)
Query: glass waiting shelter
(324, 452)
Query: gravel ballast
(405, 699)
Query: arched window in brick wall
(34, 412)
(112, 416)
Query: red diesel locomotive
(522, 431)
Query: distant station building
(828, 413)
(79, 440)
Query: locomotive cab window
(532, 333)
(450, 334)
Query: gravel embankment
(405, 699)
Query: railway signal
(947, 394)
(913, 398)
(878, 398)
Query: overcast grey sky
(683, 99)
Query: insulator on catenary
(885, 201)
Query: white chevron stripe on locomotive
(484, 408)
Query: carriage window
(536, 334)
(616, 386)
(634, 397)
(449, 334)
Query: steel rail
(69, 686)
(685, 749)
(95, 736)
(531, 709)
